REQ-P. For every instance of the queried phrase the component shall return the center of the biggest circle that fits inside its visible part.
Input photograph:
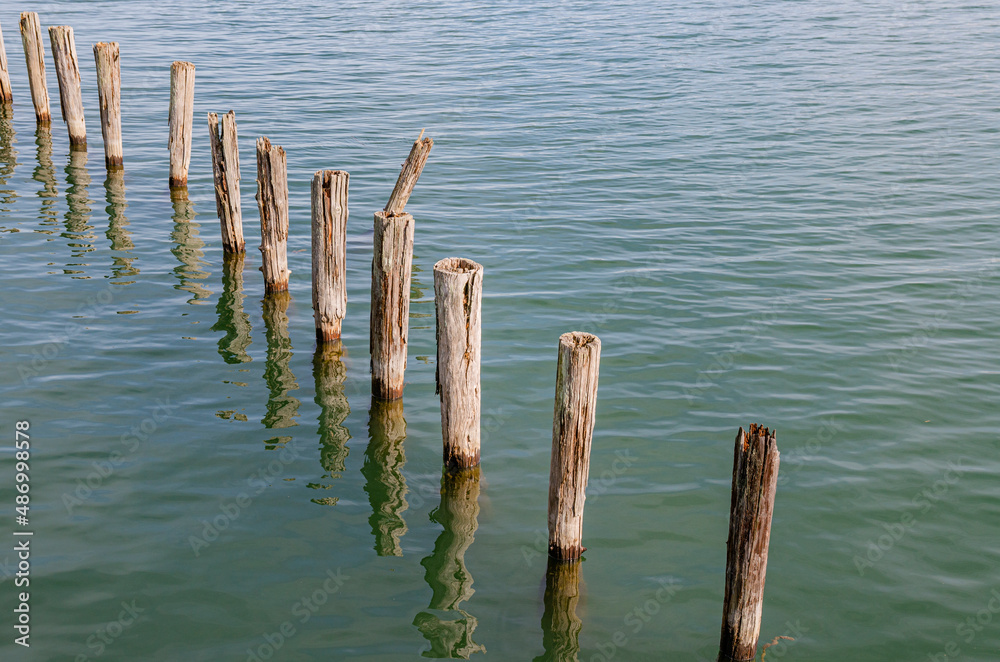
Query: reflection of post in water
(444, 624)
(560, 624)
(45, 173)
(118, 234)
(233, 321)
(330, 372)
(8, 156)
(78, 230)
(188, 248)
(382, 469)
(282, 408)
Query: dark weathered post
(329, 252)
(6, 93)
(272, 201)
(34, 57)
(180, 120)
(68, 76)
(226, 171)
(572, 432)
(109, 92)
(755, 479)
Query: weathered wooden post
(572, 431)
(34, 56)
(68, 76)
(272, 201)
(409, 175)
(458, 303)
(109, 92)
(6, 93)
(226, 170)
(329, 252)
(755, 479)
(180, 121)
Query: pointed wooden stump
(226, 172)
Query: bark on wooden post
(226, 170)
(68, 75)
(755, 479)
(6, 93)
(458, 299)
(572, 431)
(180, 121)
(329, 252)
(390, 308)
(109, 93)
(409, 175)
(272, 201)
(34, 56)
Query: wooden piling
(34, 56)
(6, 93)
(390, 307)
(572, 431)
(109, 93)
(755, 479)
(272, 201)
(68, 76)
(329, 252)
(409, 175)
(180, 121)
(226, 170)
(458, 299)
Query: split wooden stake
(572, 432)
(109, 92)
(34, 56)
(180, 121)
(272, 201)
(390, 307)
(6, 93)
(226, 170)
(329, 252)
(458, 299)
(409, 175)
(68, 76)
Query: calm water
(775, 212)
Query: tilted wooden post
(458, 303)
(180, 121)
(34, 56)
(329, 252)
(572, 431)
(226, 170)
(109, 93)
(390, 310)
(6, 93)
(409, 175)
(68, 76)
(755, 479)
(272, 201)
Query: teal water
(773, 212)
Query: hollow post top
(457, 265)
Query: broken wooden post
(409, 175)
(390, 308)
(272, 201)
(329, 252)
(755, 479)
(226, 170)
(6, 93)
(68, 75)
(109, 84)
(180, 120)
(572, 431)
(458, 299)
(34, 56)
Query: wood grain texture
(6, 92)
(68, 76)
(390, 307)
(226, 173)
(409, 175)
(560, 624)
(383, 472)
(272, 201)
(458, 303)
(180, 121)
(34, 57)
(572, 432)
(755, 480)
(109, 94)
(329, 252)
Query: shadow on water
(8, 157)
(560, 624)
(233, 321)
(282, 407)
(45, 173)
(444, 623)
(79, 231)
(382, 469)
(330, 372)
(188, 249)
(118, 234)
